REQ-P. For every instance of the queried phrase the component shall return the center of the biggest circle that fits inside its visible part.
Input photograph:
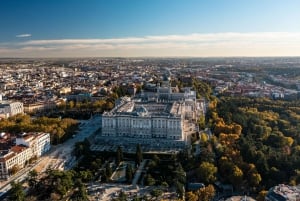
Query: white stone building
(27, 147)
(283, 192)
(162, 117)
(8, 109)
(38, 142)
(16, 156)
(140, 120)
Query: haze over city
(149, 28)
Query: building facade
(139, 123)
(283, 192)
(38, 142)
(27, 146)
(163, 116)
(8, 109)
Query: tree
(14, 169)
(190, 196)
(156, 193)
(236, 176)
(203, 137)
(206, 193)
(201, 122)
(96, 165)
(261, 195)
(254, 179)
(81, 193)
(59, 182)
(32, 178)
(179, 189)
(31, 198)
(179, 174)
(149, 180)
(129, 173)
(108, 170)
(71, 104)
(16, 192)
(207, 172)
(119, 156)
(138, 155)
(156, 159)
(85, 176)
(165, 185)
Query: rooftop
(148, 108)
(284, 192)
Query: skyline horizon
(229, 44)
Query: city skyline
(149, 28)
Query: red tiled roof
(18, 149)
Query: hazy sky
(201, 28)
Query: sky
(149, 28)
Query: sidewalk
(138, 173)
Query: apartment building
(16, 156)
(38, 142)
(8, 109)
(26, 147)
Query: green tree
(138, 155)
(203, 137)
(207, 172)
(129, 173)
(16, 192)
(32, 178)
(85, 176)
(156, 159)
(81, 193)
(254, 179)
(59, 182)
(236, 176)
(31, 198)
(108, 170)
(156, 193)
(179, 189)
(119, 156)
(149, 180)
(96, 165)
(201, 122)
(165, 186)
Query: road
(59, 157)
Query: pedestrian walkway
(138, 173)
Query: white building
(8, 109)
(163, 117)
(144, 120)
(283, 192)
(27, 146)
(38, 142)
(16, 156)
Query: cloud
(23, 35)
(198, 45)
(199, 38)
